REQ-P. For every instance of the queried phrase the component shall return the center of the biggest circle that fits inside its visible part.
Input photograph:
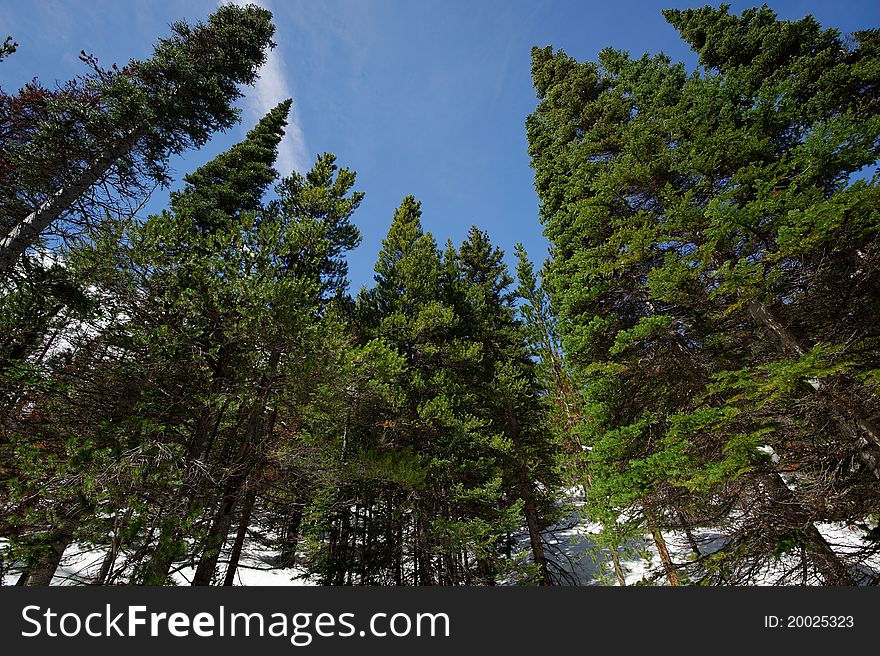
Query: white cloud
(270, 89)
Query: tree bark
(527, 493)
(220, 524)
(538, 555)
(238, 545)
(155, 572)
(851, 419)
(42, 569)
(28, 229)
(618, 568)
(668, 566)
(243, 466)
(820, 553)
(110, 559)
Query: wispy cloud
(270, 89)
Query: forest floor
(570, 545)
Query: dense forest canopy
(696, 363)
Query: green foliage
(7, 48)
(713, 258)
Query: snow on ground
(256, 567)
(569, 544)
(81, 563)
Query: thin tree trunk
(395, 538)
(668, 566)
(526, 492)
(222, 521)
(155, 572)
(110, 558)
(238, 545)
(689, 534)
(291, 536)
(538, 555)
(28, 229)
(107, 565)
(209, 420)
(243, 466)
(424, 574)
(207, 425)
(618, 568)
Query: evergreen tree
(703, 226)
(445, 474)
(212, 323)
(129, 119)
(508, 391)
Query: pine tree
(135, 117)
(702, 228)
(508, 391)
(459, 461)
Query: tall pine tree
(705, 228)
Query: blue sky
(420, 97)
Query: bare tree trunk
(689, 534)
(290, 536)
(106, 565)
(109, 560)
(424, 570)
(238, 545)
(28, 229)
(618, 568)
(668, 565)
(538, 555)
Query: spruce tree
(217, 330)
(508, 393)
(130, 119)
(703, 226)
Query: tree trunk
(106, 565)
(110, 558)
(290, 537)
(685, 526)
(42, 569)
(822, 556)
(424, 575)
(618, 568)
(668, 565)
(209, 420)
(538, 555)
(243, 466)
(155, 572)
(852, 419)
(527, 494)
(238, 545)
(28, 229)
(220, 526)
